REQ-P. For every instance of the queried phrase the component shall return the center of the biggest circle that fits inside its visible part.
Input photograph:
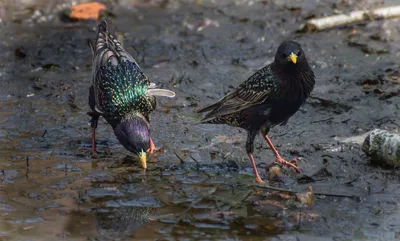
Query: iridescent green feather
(122, 89)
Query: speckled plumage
(268, 98)
(122, 89)
(112, 221)
(255, 90)
(119, 85)
(121, 93)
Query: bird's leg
(279, 159)
(253, 164)
(250, 148)
(93, 140)
(152, 147)
(93, 124)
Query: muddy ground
(200, 187)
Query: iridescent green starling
(268, 98)
(122, 94)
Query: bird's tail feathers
(212, 120)
(209, 108)
(108, 48)
(160, 92)
(102, 36)
(102, 26)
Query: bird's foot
(291, 163)
(259, 180)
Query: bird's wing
(121, 89)
(119, 83)
(153, 91)
(160, 92)
(253, 91)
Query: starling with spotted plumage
(122, 94)
(268, 98)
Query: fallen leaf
(306, 198)
(86, 11)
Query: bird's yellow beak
(293, 57)
(143, 159)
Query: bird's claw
(291, 163)
(294, 161)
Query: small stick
(323, 120)
(176, 154)
(27, 167)
(204, 55)
(263, 186)
(197, 163)
(318, 24)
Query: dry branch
(318, 24)
(264, 186)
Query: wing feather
(253, 91)
(120, 85)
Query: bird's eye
(283, 55)
(298, 54)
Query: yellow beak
(143, 159)
(293, 57)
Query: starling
(268, 98)
(122, 94)
(121, 220)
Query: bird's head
(290, 55)
(133, 132)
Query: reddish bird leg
(152, 146)
(253, 164)
(279, 159)
(93, 124)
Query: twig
(263, 186)
(27, 167)
(204, 55)
(351, 181)
(353, 17)
(176, 154)
(323, 120)
(197, 163)
(280, 135)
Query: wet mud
(199, 185)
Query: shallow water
(200, 187)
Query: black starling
(122, 94)
(268, 98)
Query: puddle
(199, 186)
